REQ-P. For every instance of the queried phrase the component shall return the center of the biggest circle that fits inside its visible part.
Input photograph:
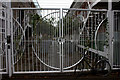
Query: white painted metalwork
(56, 40)
(37, 45)
(116, 40)
(9, 47)
(80, 35)
(3, 43)
(110, 20)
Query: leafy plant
(106, 25)
(42, 26)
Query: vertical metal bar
(54, 49)
(60, 50)
(118, 45)
(73, 38)
(80, 36)
(64, 44)
(88, 26)
(36, 48)
(12, 39)
(95, 29)
(17, 16)
(48, 55)
(40, 49)
(55, 45)
(45, 44)
(57, 35)
(91, 34)
(42, 44)
(9, 34)
(110, 19)
(0, 37)
(5, 39)
(66, 32)
(115, 47)
(25, 43)
(84, 25)
(79, 39)
(62, 41)
(29, 43)
(45, 40)
(32, 49)
(38, 44)
(1, 41)
(98, 47)
(68, 44)
(116, 41)
(21, 42)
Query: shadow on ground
(115, 75)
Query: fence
(54, 40)
(116, 46)
(3, 47)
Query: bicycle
(97, 66)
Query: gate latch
(113, 40)
(8, 39)
(61, 40)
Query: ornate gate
(3, 41)
(116, 39)
(54, 40)
(36, 34)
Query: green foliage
(42, 26)
(106, 33)
(70, 24)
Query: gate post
(9, 39)
(110, 20)
(62, 38)
(61, 43)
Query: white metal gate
(53, 40)
(83, 29)
(116, 40)
(3, 46)
(35, 40)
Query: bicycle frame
(86, 58)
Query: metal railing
(34, 40)
(84, 29)
(3, 47)
(54, 39)
(116, 40)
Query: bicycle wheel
(103, 68)
(79, 67)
